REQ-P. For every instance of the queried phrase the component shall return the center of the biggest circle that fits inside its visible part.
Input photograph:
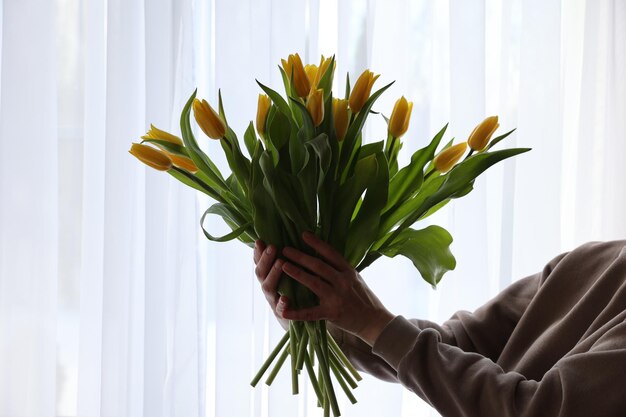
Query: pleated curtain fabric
(112, 302)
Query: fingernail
(270, 250)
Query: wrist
(375, 326)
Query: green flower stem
(304, 339)
(344, 359)
(293, 351)
(311, 353)
(269, 360)
(335, 362)
(277, 367)
(325, 370)
(320, 381)
(311, 371)
(342, 383)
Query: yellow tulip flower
(311, 74)
(448, 158)
(159, 134)
(183, 162)
(150, 156)
(481, 135)
(341, 117)
(315, 105)
(362, 89)
(400, 116)
(322, 68)
(263, 107)
(209, 121)
(300, 80)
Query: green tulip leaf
(250, 139)
(364, 227)
(202, 161)
(498, 139)
(307, 123)
(443, 187)
(354, 131)
(238, 163)
(347, 196)
(326, 80)
(168, 146)
(278, 100)
(410, 178)
(428, 249)
(279, 129)
(224, 211)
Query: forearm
(459, 383)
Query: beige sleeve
(459, 383)
(485, 331)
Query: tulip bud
(263, 107)
(293, 66)
(341, 117)
(150, 156)
(449, 157)
(209, 121)
(480, 136)
(159, 134)
(183, 162)
(315, 105)
(311, 73)
(323, 67)
(362, 89)
(400, 116)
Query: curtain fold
(112, 302)
(29, 210)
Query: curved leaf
(428, 249)
(223, 210)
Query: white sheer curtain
(111, 301)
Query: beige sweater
(551, 344)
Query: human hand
(345, 300)
(268, 271)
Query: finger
(312, 282)
(329, 253)
(282, 305)
(313, 264)
(259, 247)
(265, 263)
(307, 314)
(270, 283)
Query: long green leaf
(364, 227)
(499, 139)
(354, 131)
(168, 146)
(409, 179)
(202, 161)
(451, 184)
(250, 139)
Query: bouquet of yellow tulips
(308, 169)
